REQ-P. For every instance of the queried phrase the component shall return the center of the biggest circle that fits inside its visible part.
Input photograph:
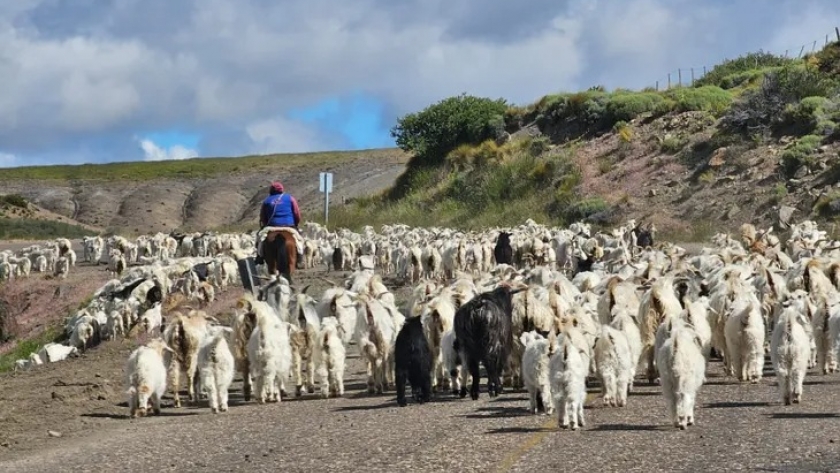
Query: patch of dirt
(682, 188)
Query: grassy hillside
(20, 220)
(190, 168)
(198, 194)
(748, 137)
(31, 229)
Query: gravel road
(82, 401)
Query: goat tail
(370, 350)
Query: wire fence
(687, 76)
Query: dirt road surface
(72, 416)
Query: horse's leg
(291, 253)
(282, 256)
(271, 261)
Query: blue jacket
(280, 210)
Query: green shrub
(24, 348)
(798, 154)
(14, 200)
(812, 115)
(707, 177)
(828, 59)
(672, 144)
(584, 209)
(779, 192)
(828, 205)
(746, 78)
(708, 98)
(538, 145)
(625, 106)
(740, 65)
(439, 128)
(23, 228)
(762, 110)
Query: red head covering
(276, 187)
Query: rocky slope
(228, 197)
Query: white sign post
(326, 179)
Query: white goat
(745, 333)
(614, 364)
(329, 355)
(216, 367)
(535, 372)
(568, 370)
(790, 352)
(270, 356)
(682, 369)
(146, 377)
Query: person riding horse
(280, 210)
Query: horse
(280, 252)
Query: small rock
(53, 433)
(57, 397)
(717, 158)
(801, 172)
(652, 192)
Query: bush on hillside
(708, 98)
(439, 128)
(812, 115)
(14, 200)
(798, 154)
(724, 74)
(625, 106)
(23, 228)
(762, 109)
(828, 59)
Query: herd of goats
(539, 307)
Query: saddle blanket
(265, 231)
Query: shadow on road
(626, 427)
(521, 430)
(734, 404)
(163, 413)
(499, 412)
(365, 408)
(804, 415)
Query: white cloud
(80, 77)
(279, 135)
(154, 152)
(7, 160)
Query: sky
(91, 81)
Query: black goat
(584, 265)
(413, 362)
(503, 251)
(202, 271)
(644, 238)
(484, 335)
(338, 259)
(154, 295)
